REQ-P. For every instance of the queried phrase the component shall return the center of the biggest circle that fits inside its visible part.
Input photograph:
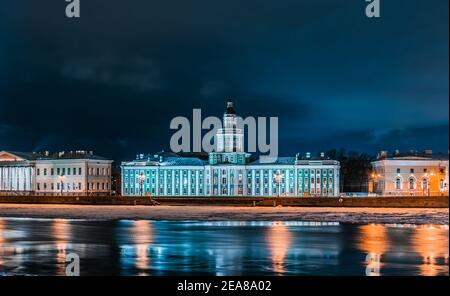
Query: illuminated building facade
(72, 173)
(410, 174)
(229, 171)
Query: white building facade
(411, 175)
(73, 173)
(229, 171)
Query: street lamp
(278, 177)
(141, 182)
(61, 178)
(429, 183)
(376, 181)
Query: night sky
(112, 80)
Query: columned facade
(229, 171)
(73, 173)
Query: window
(412, 171)
(45, 172)
(398, 171)
(79, 186)
(52, 172)
(412, 183)
(74, 171)
(38, 172)
(58, 171)
(79, 171)
(398, 183)
(424, 184)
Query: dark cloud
(136, 73)
(112, 80)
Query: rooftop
(412, 155)
(47, 155)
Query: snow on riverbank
(228, 213)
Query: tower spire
(230, 107)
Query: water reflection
(142, 237)
(61, 234)
(278, 240)
(373, 242)
(2, 240)
(40, 247)
(137, 242)
(431, 243)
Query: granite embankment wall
(397, 202)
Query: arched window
(424, 183)
(412, 183)
(398, 184)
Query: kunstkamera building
(229, 171)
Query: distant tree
(355, 169)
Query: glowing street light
(278, 177)
(141, 182)
(61, 178)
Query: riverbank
(224, 213)
(358, 202)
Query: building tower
(230, 138)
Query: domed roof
(230, 108)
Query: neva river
(125, 247)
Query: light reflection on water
(40, 247)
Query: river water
(125, 247)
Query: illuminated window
(412, 183)
(398, 183)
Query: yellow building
(410, 174)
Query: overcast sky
(112, 80)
